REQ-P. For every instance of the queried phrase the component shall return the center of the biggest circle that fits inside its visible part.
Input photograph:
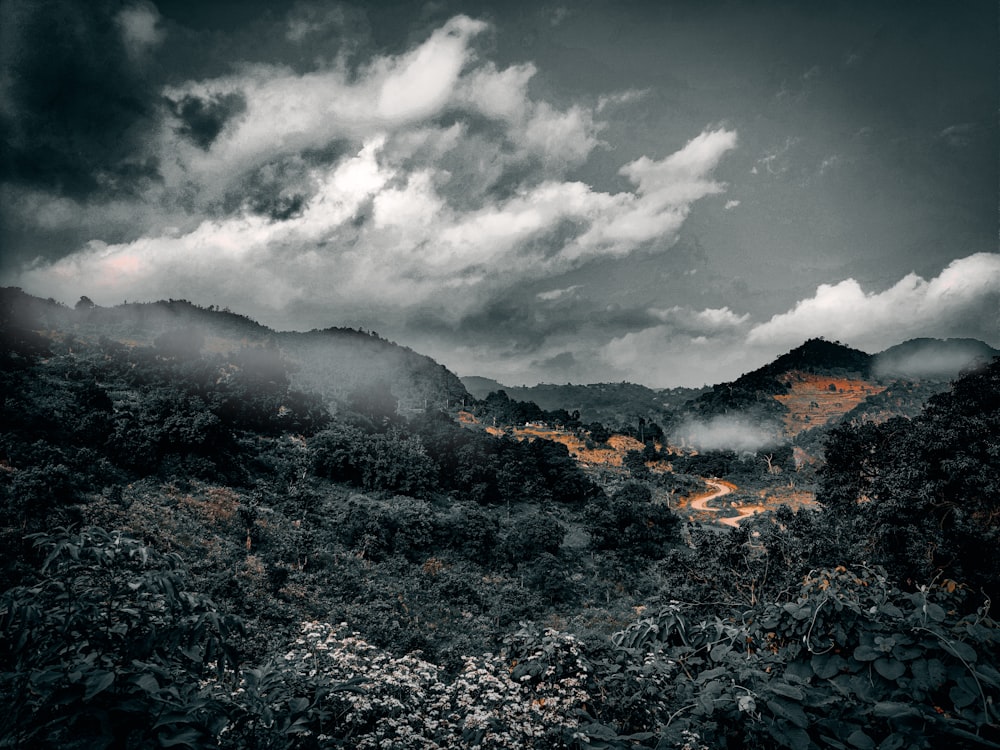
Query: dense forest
(201, 552)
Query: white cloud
(700, 321)
(731, 204)
(960, 135)
(964, 299)
(665, 356)
(307, 19)
(554, 294)
(829, 163)
(421, 82)
(775, 160)
(620, 99)
(377, 236)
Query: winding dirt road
(721, 489)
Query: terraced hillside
(814, 399)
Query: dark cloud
(77, 106)
(203, 119)
(562, 366)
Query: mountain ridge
(332, 362)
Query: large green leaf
(98, 682)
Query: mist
(933, 358)
(727, 433)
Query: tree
(925, 493)
(629, 521)
(375, 401)
(109, 647)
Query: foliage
(852, 662)
(630, 522)
(923, 495)
(434, 540)
(108, 646)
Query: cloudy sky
(670, 192)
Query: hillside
(813, 399)
(333, 362)
(198, 554)
(820, 383)
(932, 359)
(608, 403)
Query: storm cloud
(517, 196)
(77, 106)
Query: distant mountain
(814, 356)
(609, 403)
(480, 388)
(754, 394)
(822, 382)
(332, 362)
(935, 359)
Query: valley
(323, 540)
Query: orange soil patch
(220, 505)
(465, 417)
(795, 499)
(811, 402)
(609, 455)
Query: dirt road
(721, 489)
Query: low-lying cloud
(727, 433)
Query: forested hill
(610, 403)
(932, 359)
(332, 362)
(821, 382)
(754, 394)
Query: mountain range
(812, 385)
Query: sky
(670, 193)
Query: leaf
(719, 652)
(787, 691)
(98, 682)
(711, 674)
(148, 683)
(886, 608)
(988, 674)
(866, 653)
(789, 711)
(827, 665)
(894, 709)
(862, 688)
(798, 671)
(792, 737)
(707, 704)
(859, 739)
(189, 736)
(962, 650)
(961, 696)
(890, 668)
(934, 611)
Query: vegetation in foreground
(199, 555)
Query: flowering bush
(406, 702)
